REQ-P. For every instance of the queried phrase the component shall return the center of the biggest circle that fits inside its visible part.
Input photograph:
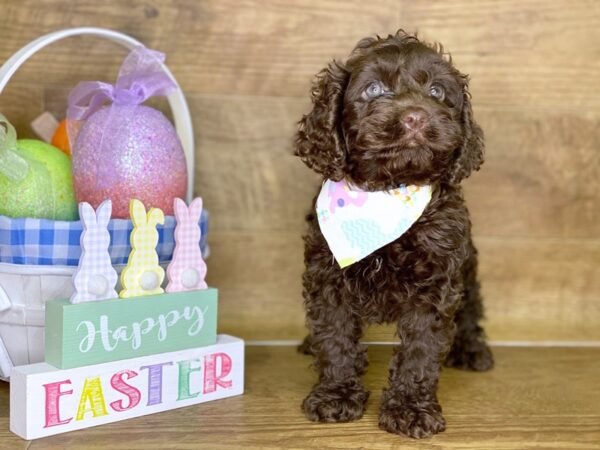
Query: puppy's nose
(414, 119)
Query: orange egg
(61, 139)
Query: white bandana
(355, 223)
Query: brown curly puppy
(396, 112)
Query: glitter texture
(126, 152)
(47, 190)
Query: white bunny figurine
(95, 278)
(187, 269)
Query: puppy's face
(401, 115)
(396, 112)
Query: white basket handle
(181, 112)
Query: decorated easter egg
(127, 152)
(47, 189)
(61, 139)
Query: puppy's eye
(373, 90)
(437, 92)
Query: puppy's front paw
(416, 420)
(336, 402)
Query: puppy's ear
(469, 156)
(319, 141)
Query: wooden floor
(543, 398)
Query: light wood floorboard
(535, 398)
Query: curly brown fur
(425, 281)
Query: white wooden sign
(45, 400)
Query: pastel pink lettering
(211, 378)
(53, 394)
(119, 385)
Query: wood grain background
(246, 68)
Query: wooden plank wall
(246, 68)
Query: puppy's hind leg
(469, 350)
(306, 346)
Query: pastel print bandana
(355, 223)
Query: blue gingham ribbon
(56, 243)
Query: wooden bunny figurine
(187, 269)
(143, 274)
(95, 277)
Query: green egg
(46, 191)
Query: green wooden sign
(95, 332)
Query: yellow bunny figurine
(143, 275)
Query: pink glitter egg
(126, 152)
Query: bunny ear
(137, 212)
(103, 213)
(87, 215)
(180, 208)
(156, 215)
(196, 209)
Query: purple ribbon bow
(141, 76)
